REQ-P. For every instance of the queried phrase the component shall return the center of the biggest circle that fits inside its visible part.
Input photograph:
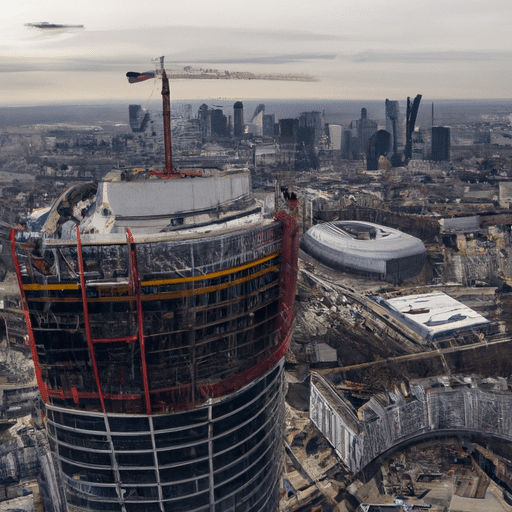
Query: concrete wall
(158, 197)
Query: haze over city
(368, 50)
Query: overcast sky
(364, 49)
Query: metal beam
(135, 290)
(87, 324)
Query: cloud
(428, 57)
(96, 66)
(210, 47)
(43, 64)
(263, 59)
(371, 50)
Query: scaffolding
(160, 361)
(432, 407)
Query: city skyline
(367, 51)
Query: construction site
(399, 395)
(159, 305)
(159, 354)
(397, 390)
(187, 355)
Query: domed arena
(365, 248)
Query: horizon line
(50, 103)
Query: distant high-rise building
(440, 143)
(219, 123)
(335, 133)
(139, 118)
(256, 125)
(257, 110)
(418, 145)
(306, 156)
(349, 144)
(238, 119)
(365, 129)
(212, 123)
(205, 121)
(393, 123)
(378, 145)
(288, 130)
(412, 112)
(269, 121)
(187, 111)
(312, 120)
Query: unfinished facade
(362, 428)
(159, 312)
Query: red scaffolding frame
(177, 397)
(87, 325)
(134, 284)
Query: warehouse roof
(433, 315)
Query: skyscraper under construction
(159, 308)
